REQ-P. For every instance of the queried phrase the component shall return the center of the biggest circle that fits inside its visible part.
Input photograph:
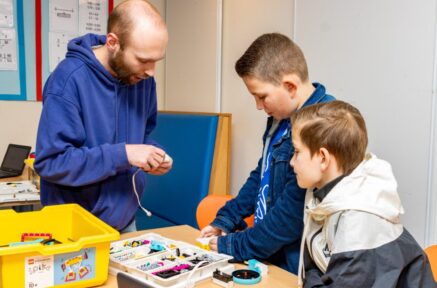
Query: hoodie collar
(82, 48)
(371, 187)
(317, 96)
(321, 193)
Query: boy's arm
(283, 224)
(231, 216)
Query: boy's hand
(209, 231)
(213, 244)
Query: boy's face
(306, 167)
(275, 100)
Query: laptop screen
(14, 157)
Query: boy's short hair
(336, 126)
(270, 57)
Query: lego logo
(31, 261)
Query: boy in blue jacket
(99, 107)
(276, 74)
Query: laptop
(13, 162)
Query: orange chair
(431, 252)
(208, 208)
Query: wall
(19, 123)
(380, 57)
(192, 55)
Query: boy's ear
(291, 82)
(325, 158)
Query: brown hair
(336, 126)
(270, 57)
(121, 19)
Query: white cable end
(149, 214)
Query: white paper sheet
(58, 42)
(92, 16)
(18, 191)
(6, 13)
(8, 49)
(63, 16)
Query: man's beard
(117, 64)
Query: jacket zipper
(312, 239)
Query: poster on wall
(92, 17)
(69, 19)
(58, 42)
(8, 49)
(34, 35)
(6, 13)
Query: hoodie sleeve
(282, 225)
(231, 216)
(61, 156)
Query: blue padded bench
(191, 140)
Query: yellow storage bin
(80, 260)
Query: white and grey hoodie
(353, 236)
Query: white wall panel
(379, 56)
(191, 62)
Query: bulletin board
(34, 36)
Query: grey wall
(379, 55)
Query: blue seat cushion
(189, 139)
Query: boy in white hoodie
(352, 236)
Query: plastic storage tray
(163, 262)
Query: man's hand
(209, 231)
(165, 166)
(146, 157)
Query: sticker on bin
(44, 271)
(74, 267)
(38, 271)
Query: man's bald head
(130, 15)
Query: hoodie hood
(82, 48)
(371, 188)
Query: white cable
(148, 213)
(189, 283)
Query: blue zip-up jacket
(277, 237)
(87, 119)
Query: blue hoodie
(87, 119)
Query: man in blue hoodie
(99, 107)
